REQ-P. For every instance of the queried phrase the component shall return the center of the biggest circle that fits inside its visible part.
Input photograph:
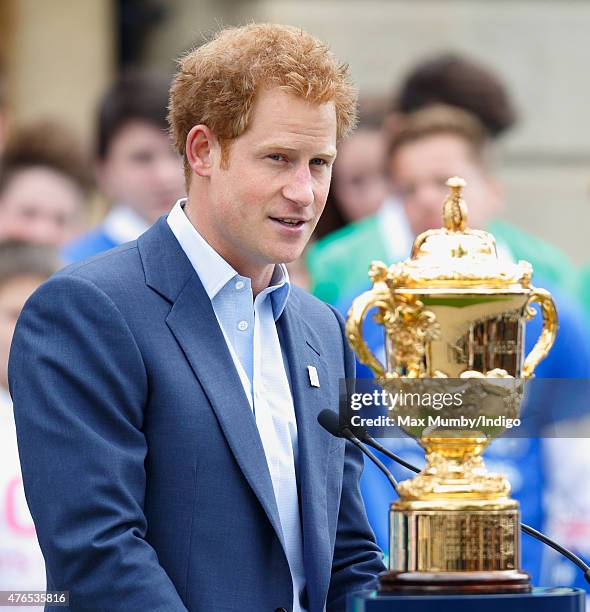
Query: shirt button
(243, 325)
(239, 285)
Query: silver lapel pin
(314, 379)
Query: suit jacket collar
(166, 267)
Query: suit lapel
(301, 350)
(193, 323)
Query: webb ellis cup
(454, 318)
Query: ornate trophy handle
(378, 298)
(547, 337)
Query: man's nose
(299, 188)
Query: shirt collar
(214, 272)
(279, 290)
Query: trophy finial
(454, 208)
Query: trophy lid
(457, 256)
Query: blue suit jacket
(142, 463)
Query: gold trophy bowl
(454, 318)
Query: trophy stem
(455, 470)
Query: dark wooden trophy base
(433, 583)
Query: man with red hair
(178, 382)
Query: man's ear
(201, 148)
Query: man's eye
(319, 162)
(276, 157)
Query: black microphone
(329, 420)
(363, 435)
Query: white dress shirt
(248, 325)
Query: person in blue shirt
(137, 168)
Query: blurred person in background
(137, 168)
(358, 187)
(45, 183)
(454, 80)
(339, 262)
(23, 267)
(438, 140)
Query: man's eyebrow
(331, 152)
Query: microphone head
(329, 420)
(360, 432)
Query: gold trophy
(454, 314)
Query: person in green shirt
(433, 144)
(338, 263)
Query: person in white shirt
(23, 267)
